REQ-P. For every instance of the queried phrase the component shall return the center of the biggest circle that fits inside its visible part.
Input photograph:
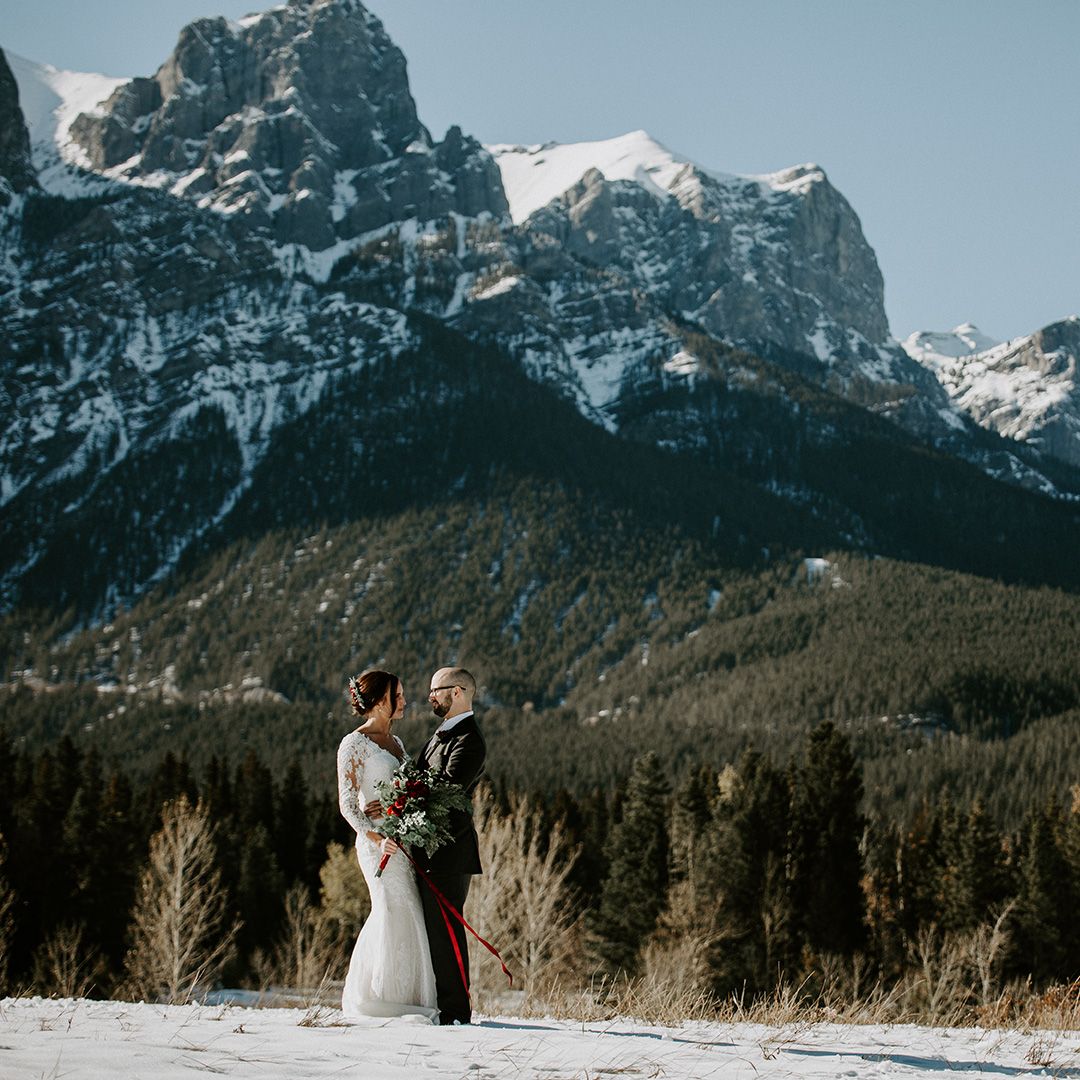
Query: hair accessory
(357, 697)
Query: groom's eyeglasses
(435, 689)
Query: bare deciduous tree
(180, 934)
(522, 902)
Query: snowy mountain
(192, 263)
(299, 118)
(775, 263)
(1025, 389)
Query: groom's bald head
(452, 691)
(455, 676)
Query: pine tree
(826, 830)
(260, 891)
(977, 878)
(291, 837)
(633, 890)
(691, 813)
(1043, 914)
(7, 918)
(741, 873)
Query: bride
(390, 973)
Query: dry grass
(792, 1007)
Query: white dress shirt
(452, 722)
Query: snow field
(94, 1040)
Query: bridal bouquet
(417, 808)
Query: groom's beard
(439, 709)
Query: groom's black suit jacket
(456, 755)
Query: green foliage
(825, 866)
(744, 853)
(634, 887)
(733, 859)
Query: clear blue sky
(952, 126)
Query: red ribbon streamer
(447, 910)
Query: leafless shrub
(678, 952)
(321, 1006)
(180, 935)
(64, 967)
(522, 902)
(343, 893)
(309, 950)
(1056, 1009)
(985, 948)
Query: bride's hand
(388, 846)
(373, 809)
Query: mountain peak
(299, 117)
(930, 346)
(535, 175)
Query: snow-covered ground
(89, 1040)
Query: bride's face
(399, 712)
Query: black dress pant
(452, 997)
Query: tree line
(731, 880)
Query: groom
(455, 752)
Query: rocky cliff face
(213, 252)
(299, 118)
(1025, 389)
(16, 171)
(779, 257)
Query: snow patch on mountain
(966, 339)
(50, 99)
(534, 175)
(1013, 387)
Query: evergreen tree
(1043, 915)
(587, 876)
(260, 891)
(826, 831)
(691, 814)
(1070, 849)
(881, 884)
(977, 874)
(7, 918)
(171, 780)
(116, 882)
(741, 872)
(291, 836)
(633, 890)
(920, 858)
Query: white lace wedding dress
(390, 973)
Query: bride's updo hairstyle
(367, 689)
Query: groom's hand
(373, 809)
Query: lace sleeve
(350, 768)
